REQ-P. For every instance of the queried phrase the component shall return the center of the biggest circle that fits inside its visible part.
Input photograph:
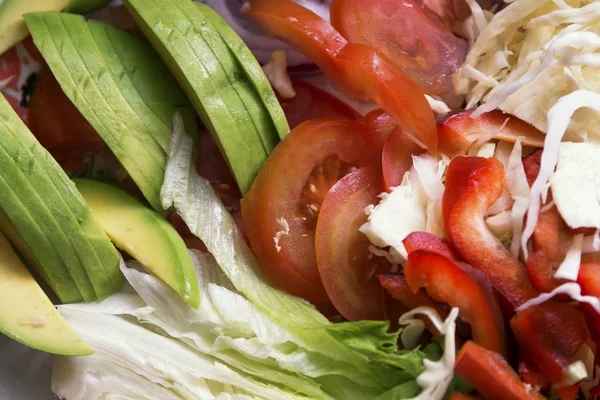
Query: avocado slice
(143, 234)
(51, 217)
(26, 313)
(202, 63)
(12, 26)
(251, 67)
(121, 86)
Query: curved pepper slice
(546, 237)
(457, 133)
(589, 281)
(491, 375)
(399, 290)
(552, 335)
(430, 242)
(472, 186)
(357, 70)
(459, 285)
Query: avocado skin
(26, 313)
(51, 217)
(145, 235)
(122, 88)
(251, 67)
(175, 29)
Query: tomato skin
(346, 266)
(311, 102)
(531, 374)
(396, 158)
(491, 375)
(408, 33)
(357, 70)
(60, 127)
(278, 190)
(428, 242)
(458, 285)
(457, 133)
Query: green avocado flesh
(26, 313)
(12, 26)
(51, 218)
(143, 234)
(213, 79)
(121, 86)
(251, 67)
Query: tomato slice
(380, 124)
(311, 102)
(396, 158)
(357, 70)
(472, 185)
(408, 33)
(288, 193)
(60, 127)
(490, 374)
(531, 374)
(457, 133)
(346, 266)
(459, 285)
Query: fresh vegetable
(143, 234)
(133, 118)
(218, 86)
(459, 285)
(281, 210)
(457, 133)
(49, 221)
(346, 266)
(363, 353)
(409, 34)
(397, 156)
(358, 70)
(472, 186)
(428, 242)
(552, 335)
(491, 375)
(27, 314)
(310, 102)
(60, 127)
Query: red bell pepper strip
(546, 238)
(491, 375)
(430, 242)
(472, 185)
(532, 375)
(457, 133)
(459, 285)
(589, 281)
(551, 335)
(397, 287)
(568, 392)
(357, 70)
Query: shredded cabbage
(517, 185)
(569, 268)
(572, 289)
(276, 71)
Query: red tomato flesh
(346, 266)
(408, 33)
(290, 189)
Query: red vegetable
(397, 287)
(551, 335)
(396, 159)
(457, 133)
(531, 374)
(357, 70)
(459, 285)
(427, 241)
(346, 266)
(408, 33)
(490, 374)
(472, 186)
(461, 396)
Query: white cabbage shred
(414, 206)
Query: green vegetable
(120, 85)
(224, 97)
(47, 217)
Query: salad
(277, 199)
